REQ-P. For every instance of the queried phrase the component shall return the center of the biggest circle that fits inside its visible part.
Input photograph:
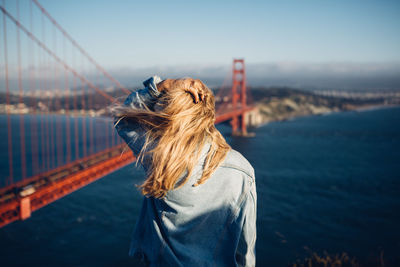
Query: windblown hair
(177, 130)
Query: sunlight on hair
(175, 135)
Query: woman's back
(210, 224)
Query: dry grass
(326, 260)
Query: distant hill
(284, 103)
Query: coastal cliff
(276, 104)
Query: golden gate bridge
(59, 137)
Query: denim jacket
(213, 224)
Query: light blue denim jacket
(213, 224)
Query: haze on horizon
(304, 44)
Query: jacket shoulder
(236, 160)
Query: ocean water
(46, 142)
(325, 183)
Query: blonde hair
(179, 128)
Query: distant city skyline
(312, 76)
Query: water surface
(324, 183)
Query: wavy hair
(176, 131)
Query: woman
(200, 198)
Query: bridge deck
(19, 200)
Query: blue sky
(298, 43)
(143, 34)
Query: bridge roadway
(19, 200)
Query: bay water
(326, 183)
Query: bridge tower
(239, 96)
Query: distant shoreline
(375, 107)
(358, 109)
(272, 104)
(281, 104)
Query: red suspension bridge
(57, 135)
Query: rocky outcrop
(275, 104)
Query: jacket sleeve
(246, 251)
(131, 131)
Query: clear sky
(142, 34)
